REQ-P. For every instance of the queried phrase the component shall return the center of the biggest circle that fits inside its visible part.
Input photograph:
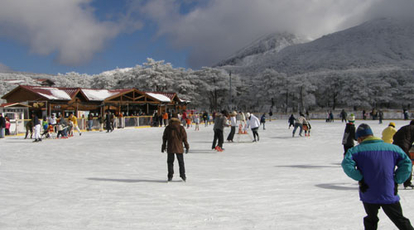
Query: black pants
(255, 134)
(231, 134)
(170, 163)
(218, 135)
(346, 147)
(393, 211)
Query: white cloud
(68, 29)
(218, 28)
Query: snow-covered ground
(118, 181)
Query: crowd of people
(63, 128)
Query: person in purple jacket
(373, 163)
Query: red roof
(4, 105)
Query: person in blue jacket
(373, 164)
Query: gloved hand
(363, 187)
(162, 148)
(186, 151)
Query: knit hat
(351, 118)
(363, 130)
(392, 124)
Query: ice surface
(118, 181)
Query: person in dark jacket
(172, 140)
(349, 134)
(263, 121)
(291, 121)
(379, 167)
(2, 125)
(404, 138)
(108, 122)
(219, 124)
(29, 128)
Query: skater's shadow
(337, 186)
(127, 180)
(201, 151)
(305, 166)
(201, 141)
(282, 138)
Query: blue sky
(92, 36)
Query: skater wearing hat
(404, 138)
(349, 134)
(219, 124)
(388, 133)
(379, 167)
(173, 139)
(253, 122)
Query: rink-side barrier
(19, 126)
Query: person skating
(7, 127)
(253, 122)
(74, 119)
(307, 127)
(291, 121)
(299, 124)
(343, 115)
(388, 133)
(270, 115)
(378, 167)
(29, 128)
(233, 124)
(380, 116)
(404, 138)
(108, 122)
(36, 125)
(349, 134)
(218, 128)
(2, 125)
(263, 121)
(172, 140)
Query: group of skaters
(175, 135)
(62, 128)
(301, 122)
(379, 165)
(53, 127)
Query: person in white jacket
(253, 122)
(299, 123)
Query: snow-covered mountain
(381, 43)
(267, 45)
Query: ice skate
(411, 186)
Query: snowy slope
(270, 44)
(380, 43)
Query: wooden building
(59, 100)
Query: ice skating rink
(117, 180)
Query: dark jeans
(393, 211)
(255, 134)
(231, 134)
(218, 135)
(297, 125)
(170, 163)
(346, 148)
